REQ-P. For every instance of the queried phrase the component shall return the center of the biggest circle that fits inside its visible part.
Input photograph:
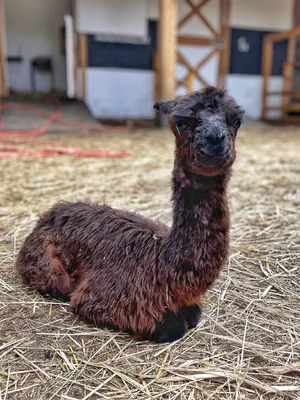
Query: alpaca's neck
(198, 240)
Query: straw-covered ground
(247, 345)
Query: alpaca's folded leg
(192, 315)
(40, 265)
(172, 328)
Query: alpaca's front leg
(172, 328)
(192, 315)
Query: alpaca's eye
(237, 124)
(182, 127)
(184, 124)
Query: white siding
(262, 14)
(120, 93)
(127, 17)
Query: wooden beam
(191, 68)
(191, 13)
(190, 81)
(295, 12)
(83, 54)
(267, 70)
(167, 48)
(290, 107)
(202, 18)
(293, 93)
(191, 40)
(279, 36)
(3, 87)
(283, 120)
(224, 58)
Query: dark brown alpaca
(121, 270)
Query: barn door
(70, 56)
(203, 44)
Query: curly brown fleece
(124, 271)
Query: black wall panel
(122, 55)
(247, 50)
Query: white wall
(120, 93)
(33, 30)
(127, 17)
(262, 14)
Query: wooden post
(288, 70)
(267, 71)
(83, 62)
(224, 52)
(190, 81)
(167, 50)
(3, 89)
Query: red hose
(63, 149)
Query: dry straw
(247, 345)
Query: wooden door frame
(3, 81)
(220, 43)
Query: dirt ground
(247, 345)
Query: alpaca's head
(205, 124)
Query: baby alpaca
(123, 271)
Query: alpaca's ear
(165, 107)
(241, 113)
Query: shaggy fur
(123, 271)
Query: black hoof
(192, 315)
(172, 328)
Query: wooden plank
(267, 70)
(288, 70)
(190, 81)
(283, 120)
(202, 18)
(279, 36)
(3, 87)
(283, 93)
(156, 75)
(167, 48)
(191, 13)
(83, 54)
(295, 13)
(290, 107)
(224, 58)
(191, 40)
(182, 60)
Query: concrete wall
(33, 30)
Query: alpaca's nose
(215, 135)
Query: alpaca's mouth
(214, 154)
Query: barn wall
(33, 30)
(120, 80)
(112, 16)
